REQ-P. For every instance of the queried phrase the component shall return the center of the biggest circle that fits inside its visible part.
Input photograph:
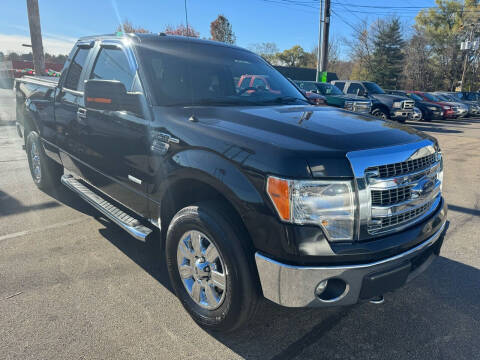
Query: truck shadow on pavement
(436, 315)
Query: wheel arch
(205, 176)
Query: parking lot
(75, 286)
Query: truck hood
(388, 98)
(281, 139)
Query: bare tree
(267, 50)
(418, 73)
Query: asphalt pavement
(75, 286)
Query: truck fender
(211, 169)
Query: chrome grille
(397, 186)
(400, 218)
(408, 104)
(401, 168)
(391, 196)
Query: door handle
(81, 112)
(81, 115)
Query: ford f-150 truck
(384, 106)
(255, 193)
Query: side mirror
(110, 95)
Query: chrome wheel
(202, 270)
(35, 157)
(380, 114)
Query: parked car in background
(472, 106)
(462, 108)
(253, 193)
(334, 97)
(468, 95)
(428, 110)
(449, 110)
(384, 105)
(312, 97)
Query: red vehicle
(448, 111)
(253, 82)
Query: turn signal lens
(279, 192)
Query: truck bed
(48, 81)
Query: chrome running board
(125, 221)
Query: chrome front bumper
(294, 286)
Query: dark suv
(385, 106)
(429, 110)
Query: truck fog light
(322, 285)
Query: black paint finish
(230, 149)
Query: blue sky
(285, 22)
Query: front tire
(211, 268)
(379, 113)
(45, 172)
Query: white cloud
(51, 44)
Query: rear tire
(233, 302)
(45, 172)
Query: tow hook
(377, 300)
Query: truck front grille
(402, 192)
(391, 196)
(397, 186)
(410, 166)
(399, 219)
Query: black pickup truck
(254, 191)
(384, 106)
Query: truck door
(69, 127)
(116, 142)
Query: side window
(75, 69)
(340, 85)
(112, 64)
(354, 88)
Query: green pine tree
(387, 54)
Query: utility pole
(319, 47)
(326, 31)
(36, 36)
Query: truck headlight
(329, 204)
(348, 105)
(397, 104)
(433, 108)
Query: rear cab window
(340, 85)
(354, 88)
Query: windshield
(444, 97)
(188, 73)
(328, 89)
(414, 96)
(431, 97)
(373, 88)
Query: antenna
(186, 16)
